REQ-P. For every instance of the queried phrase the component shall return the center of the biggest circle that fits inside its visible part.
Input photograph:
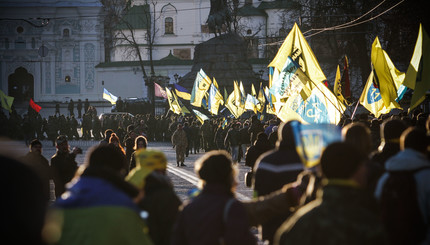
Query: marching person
(180, 142)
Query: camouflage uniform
(338, 216)
(179, 140)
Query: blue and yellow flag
(312, 139)
(200, 116)
(182, 92)
(251, 103)
(418, 73)
(321, 107)
(389, 80)
(214, 99)
(291, 81)
(109, 97)
(371, 98)
(201, 86)
(235, 109)
(6, 101)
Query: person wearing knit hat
(214, 216)
(339, 214)
(159, 201)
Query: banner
(159, 91)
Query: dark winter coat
(201, 221)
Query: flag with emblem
(201, 86)
(296, 47)
(388, 79)
(312, 139)
(371, 98)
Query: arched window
(66, 32)
(168, 25)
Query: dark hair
(286, 138)
(341, 160)
(216, 167)
(35, 142)
(414, 138)
(108, 133)
(392, 129)
(107, 156)
(358, 134)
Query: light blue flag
(109, 97)
(312, 139)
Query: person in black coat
(260, 146)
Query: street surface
(184, 178)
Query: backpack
(400, 210)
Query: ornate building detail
(89, 55)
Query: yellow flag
(388, 78)
(296, 47)
(337, 90)
(418, 73)
(173, 103)
(371, 98)
(253, 92)
(6, 101)
(236, 110)
(201, 86)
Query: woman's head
(140, 142)
(114, 139)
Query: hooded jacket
(408, 160)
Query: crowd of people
(370, 188)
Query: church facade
(49, 49)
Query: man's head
(343, 160)
(36, 146)
(286, 138)
(414, 138)
(108, 133)
(216, 167)
(62, 144)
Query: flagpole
(355, 109)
